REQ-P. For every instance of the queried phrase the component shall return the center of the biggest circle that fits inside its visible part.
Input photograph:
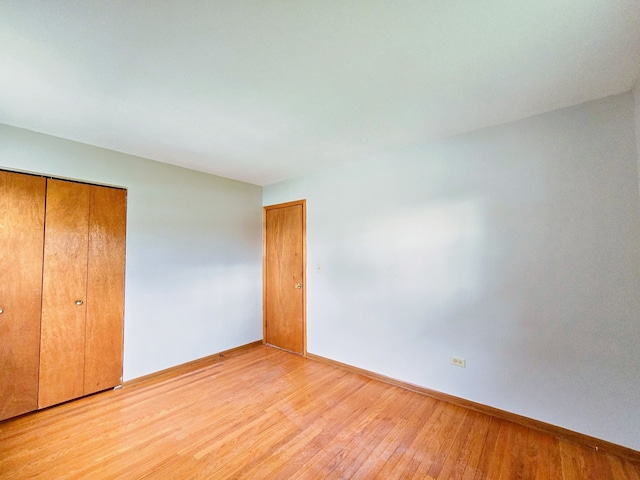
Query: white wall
(516, 247)
(194, 248)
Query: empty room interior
(463, 289)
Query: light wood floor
(263, 413)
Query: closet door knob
(1, 310)
(298, 285)
(78, 302)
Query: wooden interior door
(21, 242)
(284, 276)
(64, 292)
(105, 289)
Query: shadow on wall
(410, 271)
(520, 287)
(430, 256)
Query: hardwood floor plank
(573, 467)
(596, 464)
(498, 463)
(405, 440)
(334, 453)
(544, 450)
(517, 458)
(373, 426)
(446, 445)
(481, 471)
(267, 414)
(622, 470)
(471, 455)
(379, 455)
(471, 442)
(286, 465)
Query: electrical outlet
(459, 362)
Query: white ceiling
(265, 90)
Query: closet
(61, 290)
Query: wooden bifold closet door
(64, 292)
(83, 291)
(62, 260)
(104, 332)
(21, 237)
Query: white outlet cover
(459, 362)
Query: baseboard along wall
(560, 432)
(190, 366)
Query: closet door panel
(105, 289)
(64, 292)
(21, 243)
